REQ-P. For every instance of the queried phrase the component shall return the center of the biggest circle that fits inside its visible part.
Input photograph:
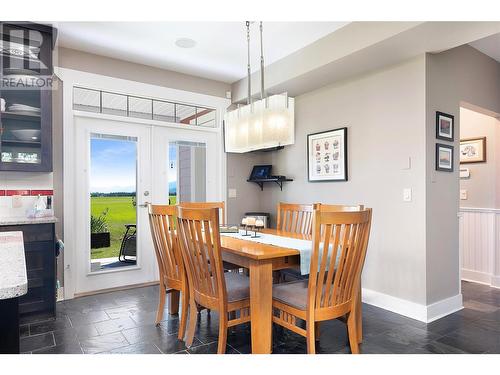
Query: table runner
(303, 246)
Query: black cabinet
(26, 72)
(40, 253)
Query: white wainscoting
(480, 245)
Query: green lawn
(121, 211)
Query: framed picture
(473, 150)
(444, 126)
(444, 158)
(327, 155)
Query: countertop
(13, 279)
(24, 220)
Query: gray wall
(459, 75)
(482, 186)
(384, 112)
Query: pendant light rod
(262, 94)
(249, 97)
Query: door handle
(145, 204)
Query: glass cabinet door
(25, 99)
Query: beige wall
(459, 75)
(482, 187)
(384, 113)
(87, 62)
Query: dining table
(261, 260)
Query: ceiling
(220, 50)
(489, 46)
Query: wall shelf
(278, 181)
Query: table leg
(261, 304)
(9, 326)
(173, 302)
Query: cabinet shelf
(20, 116)
(262, 181)
(20, 143)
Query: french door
(121, 166)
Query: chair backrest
(162, 224)
(339, 207)
(340, 240)
(295, 218)
(199, 238)
(220, 205)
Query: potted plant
(99, 232)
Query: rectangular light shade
(266, 123)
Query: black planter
(99, 240)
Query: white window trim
(72, 78)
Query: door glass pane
(187, 172)
(113, 182)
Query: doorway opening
(479, 153)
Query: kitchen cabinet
(40, 254)
(26, 69)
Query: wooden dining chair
(220, 205)
(209, 286)
(332, 289)
(170, 265)
(294, 218)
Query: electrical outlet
(232, 193)
(16, 201)
(407, 195)
(463, 194)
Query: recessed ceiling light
(185, 43)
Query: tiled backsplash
(22, 188)
(15, 203)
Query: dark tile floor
(123, 322)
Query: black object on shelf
(278, 180)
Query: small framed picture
(444, 158)
(473, 150)
(327, 155)
(444, 126)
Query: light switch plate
(232, 193)
(407, 195)
(463, 194)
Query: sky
(113, 165)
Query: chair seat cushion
(293, 294)
(237, 286)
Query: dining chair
(169, 259)
(340, 240)
(295, 218)
(220, 205)
(209, 286)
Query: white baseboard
(413, 310)
(481, 278)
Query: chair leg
(193, 317)
(184, 313)
(359, 318)
(221, 347)
(161, 304)
(311, 342)
(316, 331)
(352, 331)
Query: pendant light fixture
(267, 123)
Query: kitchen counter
(13, 278)
(25, 220)
(13, 284)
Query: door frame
(72, 78)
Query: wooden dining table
(261, 260)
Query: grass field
(121, 211)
